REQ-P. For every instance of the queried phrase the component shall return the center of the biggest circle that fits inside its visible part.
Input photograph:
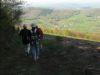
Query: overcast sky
(61, 1)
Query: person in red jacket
(36, 42)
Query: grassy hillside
(59, 56)
(83, 23)
(84, 20)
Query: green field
(86, 21)
(77, 20)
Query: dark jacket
(25, 35)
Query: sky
(60, 1)
(55, 3)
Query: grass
(81, 23)
(73, 37)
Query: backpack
(37, 33)
(34, 34)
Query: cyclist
(37, 36)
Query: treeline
(10, 13)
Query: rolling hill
(83, 20)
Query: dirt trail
(72, 57)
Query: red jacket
(40, 32)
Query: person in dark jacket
(26, 37)
(37, 37)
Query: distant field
(69, 22)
